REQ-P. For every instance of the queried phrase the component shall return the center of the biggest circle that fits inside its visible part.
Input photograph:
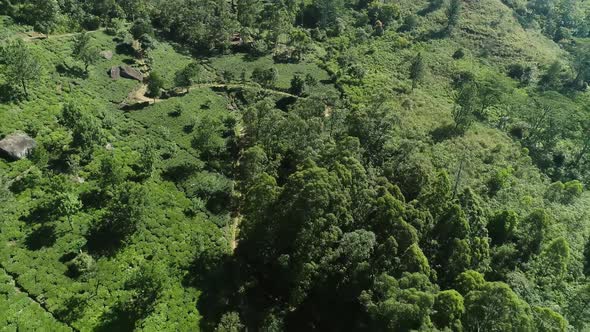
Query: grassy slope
(18, 311)
(387, 62)
(484, 148)
(169, 236)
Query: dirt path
(235, 229)
(243, 85)
(137, 96)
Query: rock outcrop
(17, 146)
(107, 54)
(115, 72)
(131, 73)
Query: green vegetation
(295, 165)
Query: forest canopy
(295, 165)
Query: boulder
(115, 72)
(17, 145)
(106, 54)
(131, 73)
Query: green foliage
(448, 309)
(344, 201)
(398, 305)
(299, 85)
(202, 25)
(86, 129)
(453, 15)
(496, 306)
(555, 259)
(386, 13)
(465, 107)
(186, 76)
(329, 11)
(81, 265)
(469, 281)
(265, 77)
(548, 320)
(230, 322)
(141, 27)
(45, 15)
(564, 193)
(502, 226)
(21, 66)
(155, 83)
(84, 52)
(551, 79)
(417, 70)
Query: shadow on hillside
(38, 214)
(284, 103)
(41, 237)
(250, 57)
(125, 49)
(72, 309)
(93, 198)
(212, 272)
(119, 318)
(433, 5)
(8, 93)
(434, 34)
(445, 132)
(102, 241)
(74, 72)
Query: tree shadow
(38, 214)
(94, 198)
(9, 94)
(433, 35)
(41, 237)
(102, 241)
(284, 103)
(72, 309)
(433, 5)
(125, 49)
(444, 132)
(179, 172)
(213, 272)
(75, 72)
(68, 257)
(120, 318)
(249, 57)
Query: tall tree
(45, 15)
(248, 11)
(495, 307)
(329, 11)
(68, 205)
(185, 77)
(22, 67)
(84, 51)
(466, 102)
(453, 15)
(155, 83)
(417, 70)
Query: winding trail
(245, 85)
(138, 94)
